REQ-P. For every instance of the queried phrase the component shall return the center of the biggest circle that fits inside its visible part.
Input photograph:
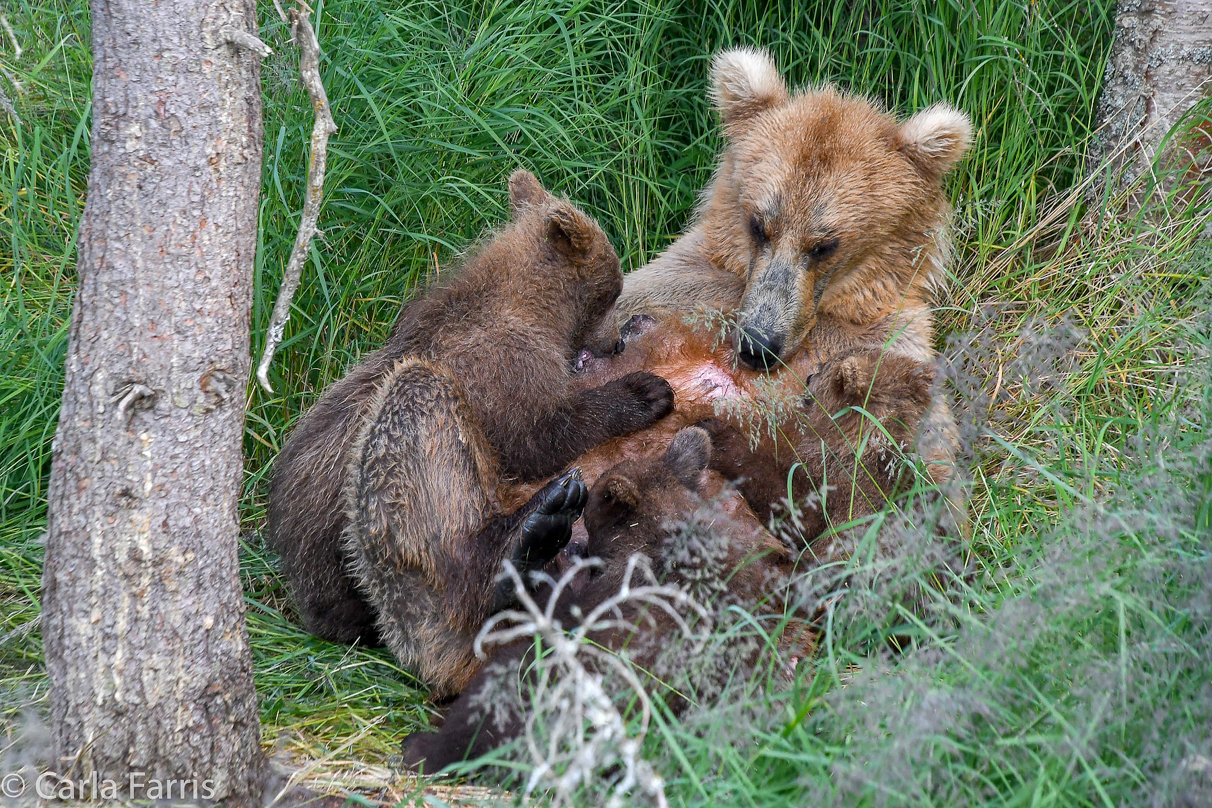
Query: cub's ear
(935, 139)
(572, 232)
(614, 501)
(525, 191)
(744, 82)
(619, 494)
(688, 455)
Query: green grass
(438, 101)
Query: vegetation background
(1064, 661)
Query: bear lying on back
(404, 455)
(824, 441)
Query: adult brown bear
(823, 232)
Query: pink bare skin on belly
(702, 371)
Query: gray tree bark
(143, 615)
(1160, 66)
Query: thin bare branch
(309, 71)
(242, 39)
(583, 730)
(6, 104)
(281, 13)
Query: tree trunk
(1160, 66)
(143, 615)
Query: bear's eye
(823, 250)
(757, 228)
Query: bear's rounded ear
(620, 493)
(744, 82)
(571, 232)
(935, 139)
(688, 455)
(525, 191)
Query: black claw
(582, 496)
(546, 530)
(549, 527)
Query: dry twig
(304, 36)
(8, 29)
(243, 39)
(583, 730)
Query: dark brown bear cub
(839, 457)
(472, 390)
(639, 506)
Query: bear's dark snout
(757, 349)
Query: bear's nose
(758, 350)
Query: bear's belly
(706, 382)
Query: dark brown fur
(633, 508)
(842, 453)
(306, 509)
(425, 538)
(491, 355)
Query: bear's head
(679, 514)
(573, 275)
(822, 201)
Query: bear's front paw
(731, 451)
(549, 526)
(882, 383)
(649, 396)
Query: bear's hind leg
(425, 538)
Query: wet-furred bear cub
(635, 507)
(383, 503)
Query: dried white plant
(574, 728)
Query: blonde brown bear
(823, 232)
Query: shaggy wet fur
(635, 507)
(477, 381)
